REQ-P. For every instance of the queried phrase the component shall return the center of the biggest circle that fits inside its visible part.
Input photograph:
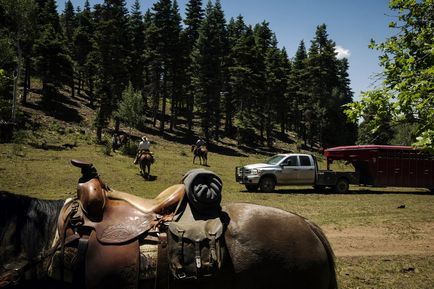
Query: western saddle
(102, 233)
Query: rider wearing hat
(142, 148)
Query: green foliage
(426, 141)
(4, 84)
(404, 134)
(136, 31)
(106, 147)
(241, 99)
(408, 62)
(326, 88)
(247, 136)
(131, 108)
(376, 127)
(111, 59)
(208, 60)
(193, 20)
(130, 148)
(5, 109)
(52, 61)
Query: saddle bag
(195, 248)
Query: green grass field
(30, 169)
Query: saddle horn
(91, 191)
(88, 171)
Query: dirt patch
(380, 241)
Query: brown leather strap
(162, 280)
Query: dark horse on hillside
(146, 159)
(263, 247)
(118, 140)
(201, 153)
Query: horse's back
(271, 248)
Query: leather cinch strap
(162, 279)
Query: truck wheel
(342, 186)
(267, 184)
(252, 187)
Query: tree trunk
(26, 83)
(72, 87)
(117, 124)
(98, 134)
(79, 83)
(16, 78)
(190, 108)
(163, 109)
(172, 113)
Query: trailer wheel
(252, 187)
(342, 186)
(267, 184)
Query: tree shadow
(182, 136)
(51, 147)
(61, 108)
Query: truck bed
(330, 178)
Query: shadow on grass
(183, 137)
(149, 178)
(45, 146)
(61, 108)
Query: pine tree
(52, 60)
(193, 20)
(111, 55)
(263, 39)
(148, 58)
(297, 91)
(240, 100)
(348, 130)
(18, 29)
(323, 79)
(178, 64)
(136, 29)
(208, 67)
(83, 49)
(68, 23)
(163, 36)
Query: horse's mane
(33, 221)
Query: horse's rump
(146, 157)
(271, 248)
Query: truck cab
(280, 169)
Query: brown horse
(146, 159)
(267, 248)
(201, 153)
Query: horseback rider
(199, 143)
(142, 148)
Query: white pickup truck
(292, 169)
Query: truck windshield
(274, 160)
